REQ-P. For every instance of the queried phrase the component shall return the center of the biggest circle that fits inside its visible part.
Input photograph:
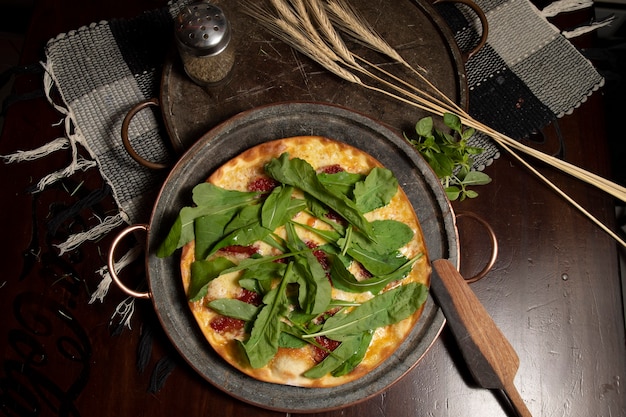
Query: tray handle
(494, 245)
(111, 260)
(126, 141)
(483, 22)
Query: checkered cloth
(526, 76)
(101, 71)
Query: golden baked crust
(289, 364)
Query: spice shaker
(203, 40)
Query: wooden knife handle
(489, 356)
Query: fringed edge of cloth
(124, 310)
(564, 6)
(581, 30)
(73, 138)
(103, 288)
(107, 225)
(58, 144)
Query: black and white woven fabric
(527, 75)
(101, 71)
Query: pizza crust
(288, 365)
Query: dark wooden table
(554, 291)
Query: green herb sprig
(450, 156)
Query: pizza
(303, 261)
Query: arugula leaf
(328, 235)
(380, 257)
(341, 182)
(375, 263)
(314, 290)
(275, 211)
(387, 308)
(390, 236)
(376, 190)
(207, 194)
(369, 192)
(346, 350)
(291, 338)
(318, 210)
(300, 174)
(344, 280)
(259, 277)
(255, 261)
(265, 335)
(247, 228)
(244, 218)
(244, 236)
(202, 273)
(353, 361)
(234, 308)
(210, 200)
(244, 229)
(208, 230)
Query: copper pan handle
(111, 260)
(494, 245)
(483, 22)
(126, 141)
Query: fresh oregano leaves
(450, 156)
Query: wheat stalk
(348, 20)
(331, 52)
(293, 36)
(329, 32)
(284, 11)
(351, 22)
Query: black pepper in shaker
(203, 39)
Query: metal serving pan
(226, 141)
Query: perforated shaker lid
(202, 29)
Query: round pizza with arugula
(303, 261)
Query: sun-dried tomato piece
(262, 184)
(321, 256)
(332, 215)
(223, 324)
(240, 250)
(362, 272)
(327, 345)
(332, 169)
(250, 297)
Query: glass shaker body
(203, 38)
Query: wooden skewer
(489, 356)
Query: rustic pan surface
(227, 141)
(268, 71)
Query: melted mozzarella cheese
(288, 365)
